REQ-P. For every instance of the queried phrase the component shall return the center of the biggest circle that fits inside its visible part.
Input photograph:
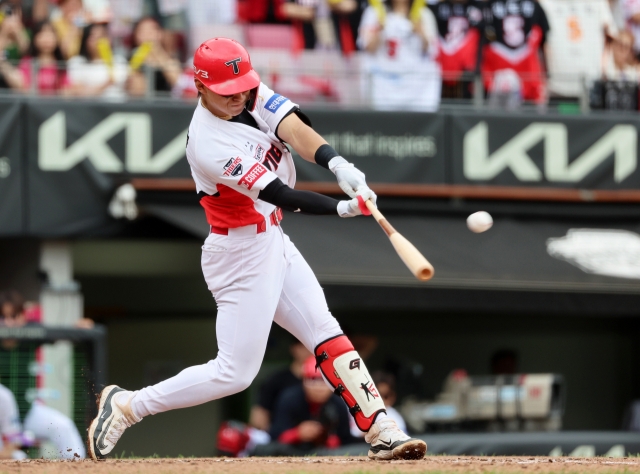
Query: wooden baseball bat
(411, 256)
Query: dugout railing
(21, 366)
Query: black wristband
(324, 154)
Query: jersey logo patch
(233, 167)
(259, 155)
(274, 103)
(253, 175)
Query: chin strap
(344, 369)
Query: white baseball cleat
(113, 418)
(389, 442)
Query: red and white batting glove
(356, 206)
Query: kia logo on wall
(620, 142)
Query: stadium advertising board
(79, 153)
(388, 147)
(60, 161)
(581, 152)
(11, 177)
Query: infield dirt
(326, 465)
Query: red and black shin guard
(342, 366)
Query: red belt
(275, 217)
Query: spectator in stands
(620, 63)
(211, 12)
(346, 16)
(302, 14)
(148, 50)
(386, 385)
(39, 11)
(11, 308)
(577, 37)
(261, 11)
(45, 58)
(14, 42)
(460, 27)
(11, 315)
(124, 15)
(511, 59)
(308, 417)
(14, 38)
(401, 52)
(275, 384)
(69, 23)
(184, 87)
(631, 13)
(95, 72)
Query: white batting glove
(356, 206)
(350, 179)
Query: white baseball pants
(256, 279)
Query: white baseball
(479, 221)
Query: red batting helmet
(309, 370)
(224, 66)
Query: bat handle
(377, 215)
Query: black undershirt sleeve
(281, 195)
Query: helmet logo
(234, 63)
(201, 72)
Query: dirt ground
(326, 465)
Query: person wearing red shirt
(516, 32)
(310, 416)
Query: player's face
(223, 105)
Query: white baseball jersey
(402, 76)
(232, 161)
(576, 42)
(402, 48)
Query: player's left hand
(356, 206)
(350, 179)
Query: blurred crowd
(391, 54)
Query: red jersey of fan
(516, 30)
(459, 27)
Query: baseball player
(245, 175)
(42, 423)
